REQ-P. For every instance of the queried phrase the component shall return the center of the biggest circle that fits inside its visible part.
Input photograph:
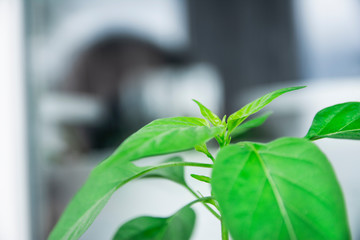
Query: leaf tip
(300, 87)
(195, 101)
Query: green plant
(285, 189)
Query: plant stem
(149, 169)
(192, 164)
(211, 157)
(189, 164)
(224, 231)
(203, 199)
(205, 205)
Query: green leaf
(177, 227)
(103, 181)
(285, 189)
(159, 137)
(238, 117)
(203, 149)
(223, 121)
(201, 178)
(253, 123)
(209, 115)
(175, 174)
(338, 121)
(166, 135)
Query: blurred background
(79, 76)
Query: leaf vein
(317, 197)
(277, 195)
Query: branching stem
(202, 199)
(205, 205)
(174, 164)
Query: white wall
(13, 174)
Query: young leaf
(223, 121)
(201, 178)
(209, 115)
(285, 189)
(203, 149)
(159, 137)
(176, 227)
(253, 123)
(338, 121)
(238, 117)
(175, 174)
(166, 135)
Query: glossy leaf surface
(238, 117)
(177, 227)
(159, 137)
(166, 135)
(253, 123)
(338, 121)
(285, 189)
(208, 114)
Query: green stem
(205, 205)
(190, 164)
(211, 157)
(224, 231)
(203, 199)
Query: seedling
(284, 189)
